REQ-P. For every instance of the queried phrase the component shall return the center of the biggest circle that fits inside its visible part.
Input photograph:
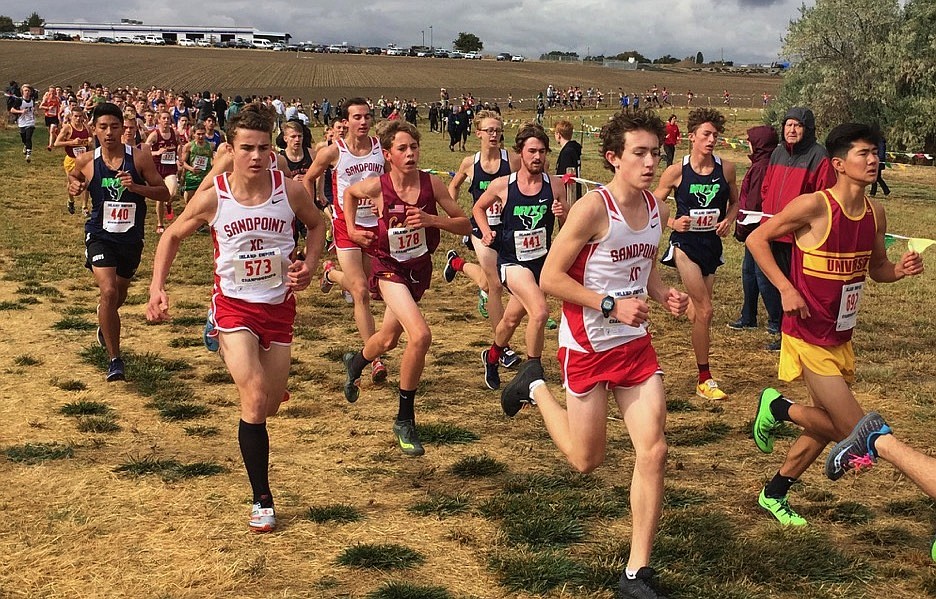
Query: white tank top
(351, 169)
(618, 265)
(253, 244)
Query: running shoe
(509, 358)
(773, 329)
(709, 390)
(28, 156)
(449, 273)
(351, 386)
(115, 371)
(262, 519)
(642, 586)
(347, 296)
(405, 433)
(378, 371)
(210, 338)
(764, 423)
(551, 324)
(326, 284)
(773, 345)
(781, 510)
(71, 206)
(160, 230)
(933, 549)
(856, 451)
(517, 392)
(740, 325)
(169, 213)
(100, 338)
(491, 375)
(482, 303)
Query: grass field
(137, 489)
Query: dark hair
(840, 139)
(356, 101)
(389, 129)
(613, 133)
(700, 116)
(253, 116)
(106, 109)
(527, 131)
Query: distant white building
(171, 34)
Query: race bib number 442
(703, 219)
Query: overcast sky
(745, 30)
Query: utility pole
(430, 37)
(424, 37)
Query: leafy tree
(33, 20)
(912, 61)
(6, 24)
(699, 58)
(637, 56)
(667, 59)
(467, 42)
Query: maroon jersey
(397, 243)
(831, 275)
(166, 163)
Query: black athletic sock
(255, 449)
(778, 486)
(532, 358)
(358, 362)
(407, 409)
(780, 409)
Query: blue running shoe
(210, 337)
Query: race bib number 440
(407, 243)
(259, 270)
(119, 217)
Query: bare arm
(154, 188)
(560, 204)
(496, 192)
(326, 157)
(669, 181)
(460, 177)
(455, 221)
(368, 188)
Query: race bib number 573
(259, 270)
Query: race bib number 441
(530, 245)
(259, 270)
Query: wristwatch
(607, 305)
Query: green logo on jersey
(114, 187)
(482, 185)
(705, 192)
(531, 215)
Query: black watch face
(607, 304)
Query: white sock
(630, 574)
(533, 387)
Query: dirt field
(309, 75)
(137, 489)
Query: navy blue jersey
(704, 198)
(480, 178)
(117, 215)
(528, 223)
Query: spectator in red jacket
(763, 141)
(670, 140)
(798, 165)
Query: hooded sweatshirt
(763, 140)
(796, 169)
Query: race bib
(79, 150)
(637, 292)
(494, 214)
(200, 163)
(167, 158)
(407, 243)
(258, 270)
(119, 217)
(530, 245)
(365, 213)
(703, 219)
(848, 307)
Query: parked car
(473, 55)
(203, 43)
(240, 43)
(279, 47)
(262, 44)
(504, 56)
(372, 50)
(124, 39)
(106, 39)
(517, 58)
(154, 40)
(397, 51)
(87, 39)
(338, 49)
(138, 39)
(61, 37)
(440, 53)
(307, 47)
(456, 54)
(187, 43)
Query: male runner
(603, 266)
(530, 204)
(76, 139)
(118, 178)
(213, 135)
(51, 105)
(195, 162)
(250, 212)
(706, 206)
(407, 235)
(165, 146)
(488, 164)
(838, 241)
(355, 157)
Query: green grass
(8, 305)
(200, 430)
(692, 435)
(85, 408)
(520, 570)
(69, 385)
(74, 323)
(445, 433)
(168, 470)
(98, 424)
(477, 467)
(218, 377)
(34, 288)
(374, 556)
(546, 527)
(26, 360)
(188, 321)
(35, 453)
(408, 590)
(441, 505)
(179, 342)
(337, 512)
